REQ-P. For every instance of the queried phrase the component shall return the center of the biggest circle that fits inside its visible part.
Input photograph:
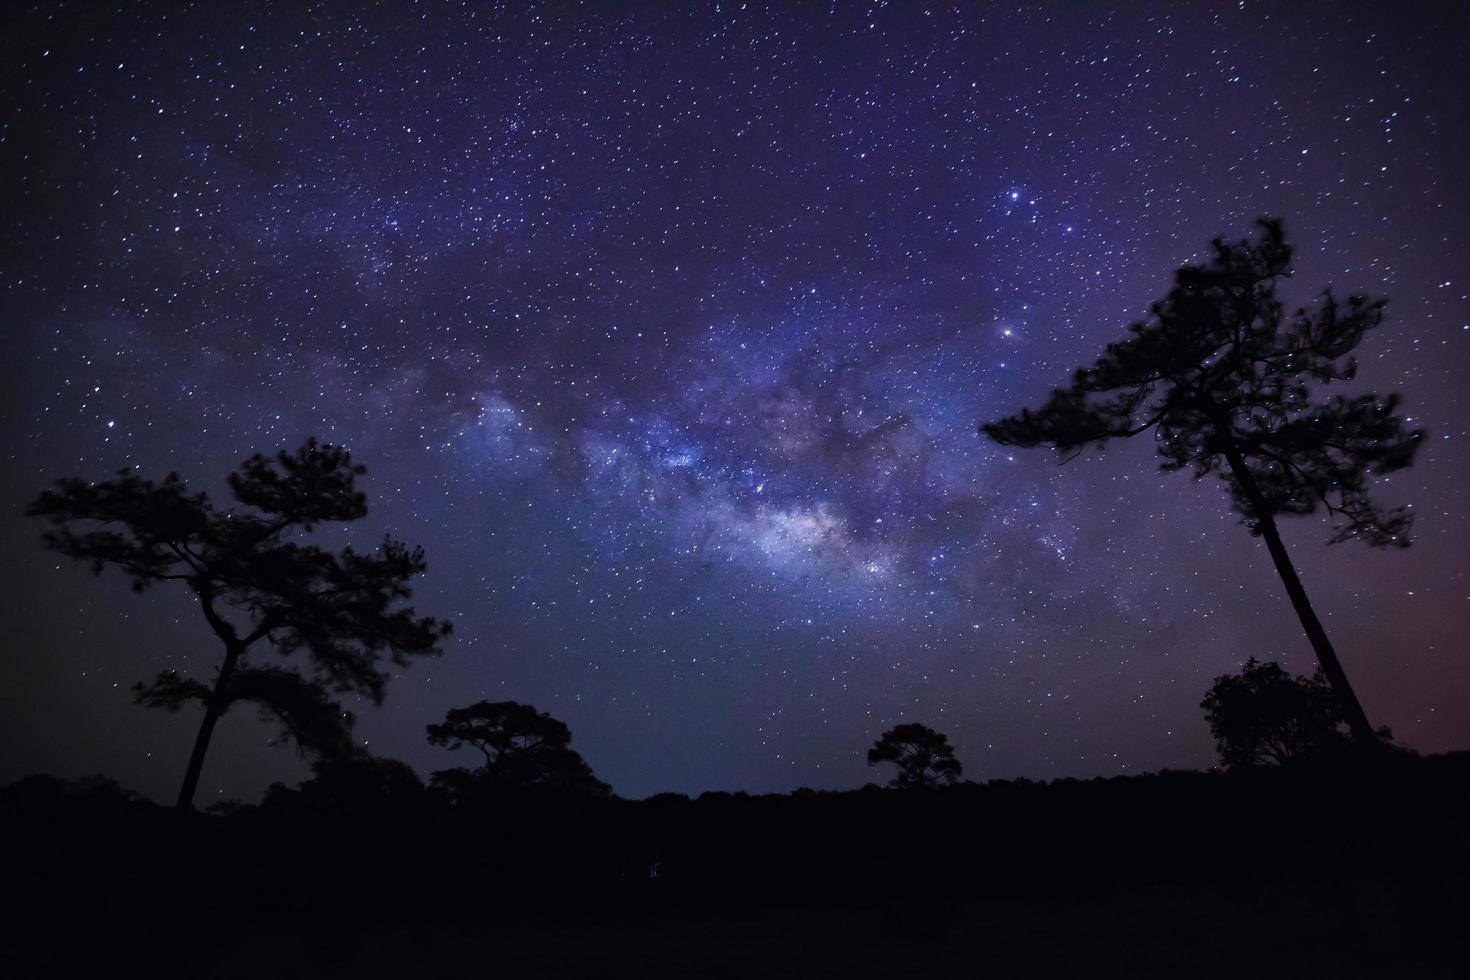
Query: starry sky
(666, 328)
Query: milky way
(667, 331)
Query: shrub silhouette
(361, 785)
(1265, 716)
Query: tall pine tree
(259, 586)
(1222, 375)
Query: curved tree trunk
(1352, 710)
(212, 711)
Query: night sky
(666, 330)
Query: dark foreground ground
(1350, 870)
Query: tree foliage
(301, 708)
(259, 585)
(1221, 365)
(1265, 716)
(523, 748)
(924, 757)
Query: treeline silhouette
(1228, 866)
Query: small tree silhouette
(256, 581)
(923, 756)
(523, 748)
(1220, 373)
(1265, 716)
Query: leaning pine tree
(259, 586)
(1221, 374)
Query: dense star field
(666, 331)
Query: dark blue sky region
(666, 329)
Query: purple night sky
(665, 329)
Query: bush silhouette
(1265, 716)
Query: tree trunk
(1352, 710)
(212, 711)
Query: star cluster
(666, 331)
